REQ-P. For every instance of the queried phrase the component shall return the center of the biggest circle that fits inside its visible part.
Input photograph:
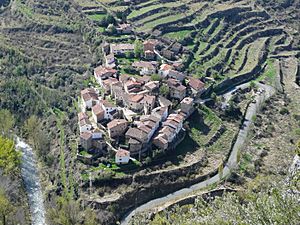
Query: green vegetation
(37, 136)
(164, 90)
(179, 35)
(269, 204)
(7, 122)
(203, 124)
(6, 208)
(97, 17)
(9, 157)
(270, 72)
(138, 48)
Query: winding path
(33, 188)
(253, 108)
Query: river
(32, 184)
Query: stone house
(149, 102)
(164, 70)
(135, 102)
(137, 134)
(176, 75)
(177, 90)
(187, 105)
(98, 113)
(110, 61)
(89, 97)
(145, 68)
(117, 127)
(86, 140)
(101, 73)
(124, 28)
(122, 156)
(109, 109)
(196, 85)
(120, 49)
(84, 125)
(149, 45)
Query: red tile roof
(97, 109)
(196, 84)
(101, 71)
(116, 122)
(122, 153)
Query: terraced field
(226, 39)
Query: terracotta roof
(196, 84)
(165, 67)
(133, 141)
(110, 80)
(145, 128)
(149, 123)
(136, 98)
(152, 85)
(149, 118)
(124, 77)
(136, 134)
(161, 139)
(151, 41)
(106, 103)
(97, 109)
(132, 83)
(143, 79)
(88, 94)
(168, 131)
(84, 122)
(116, 122)
(82, 116)
(86, 135)
(143, 64)
(122, 153)
(101, 71)
(88, 90)
(149, 99)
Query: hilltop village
(144, 109)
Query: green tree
(111, 29)
(155, 77)
(90, 217)
(65, 212)
(164, 90)
(36, 135)
(9, 157)
(138, 48)
(7, 122)
(6, 207)
(253, 85)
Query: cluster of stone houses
(129, 110)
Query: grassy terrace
(254, 53)
(242, 54)
(179, 35)
(151, 18)
(96, 17)
(149, 26)
(144, 10)
(167, 16)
